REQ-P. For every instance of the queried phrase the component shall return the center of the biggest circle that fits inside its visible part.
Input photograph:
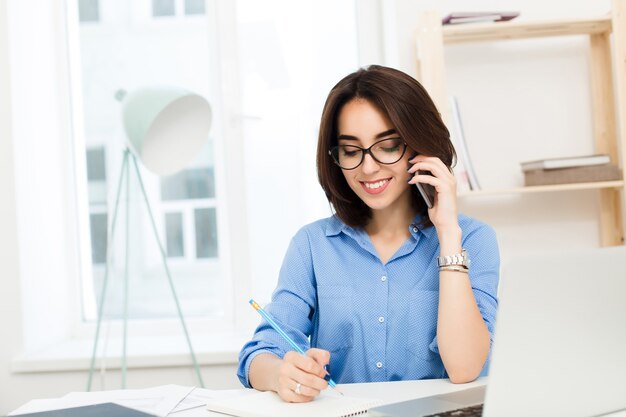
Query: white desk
(390, 392)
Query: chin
(376, 203)
(382, 201)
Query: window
(184, 205)
(190, 195)
(194, 7)
(231, 212)
(206, 235)
(97, 189)
(89, 10)
(173, 8)
(174, 235)
(163, 8)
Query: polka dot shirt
(378, 320)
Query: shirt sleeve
(482, 247)
(292, 307)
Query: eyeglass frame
(366, 151)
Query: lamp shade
(166, 126)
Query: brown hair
(414, 116)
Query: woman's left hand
(444, 211)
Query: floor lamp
(166, 127)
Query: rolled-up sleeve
(482, 245)
(292, 306)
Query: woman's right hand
(307, 371)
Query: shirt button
(383, 278)
(379, 365)
(381, 319)
(415, 229)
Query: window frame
(67, 344)
(216, 15)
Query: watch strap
(461, 259)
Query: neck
(391, 220)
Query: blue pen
(293, 344)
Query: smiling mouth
(375, 187)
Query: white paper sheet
(199, 397)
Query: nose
(370, 165)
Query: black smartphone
(427, 191)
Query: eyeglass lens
(387, 151)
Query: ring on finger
(298, 388)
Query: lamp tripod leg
(123, 172)
(127, 249)
(167, 271)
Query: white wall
(519, 100)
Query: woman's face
(380, 186)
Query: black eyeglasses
(386, 151)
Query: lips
(376, 186)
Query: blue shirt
(378, 321)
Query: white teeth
(375, 184)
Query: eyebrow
(378, 136)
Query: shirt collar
(336, 226)
(416, 227)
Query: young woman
(382, 290)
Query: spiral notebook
(269, 404)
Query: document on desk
(199, 397)
(158, 401)
(269, 404)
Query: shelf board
(473, 32)
(546, 188)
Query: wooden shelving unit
(609, 126)
(546, 188)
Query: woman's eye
(348, 152)
(391, 149)
(390, 145)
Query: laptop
(560, 342)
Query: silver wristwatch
(460, 259)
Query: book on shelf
(566, 162)
(476, 17)
(590, 173)
(463, 170)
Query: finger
(306, 363)
(288, 395)
(430, 160)
(287, 389)
(320, 356)
(422, 157)
(428, 179)
(311, 381)
(306, 390)
(290, 371)
(434, 166)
